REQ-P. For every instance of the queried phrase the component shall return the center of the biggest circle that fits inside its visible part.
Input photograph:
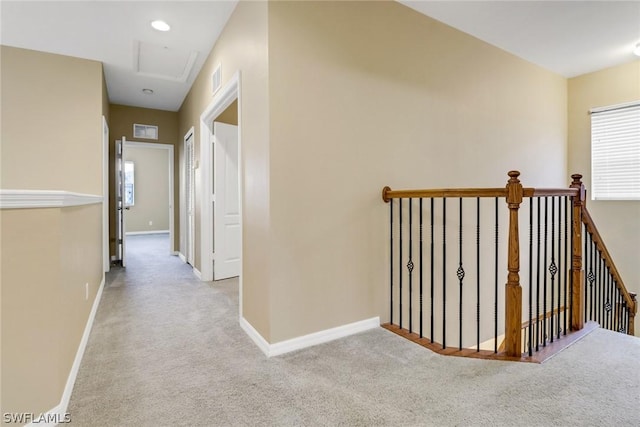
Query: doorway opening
(144, 196)
(221, 178)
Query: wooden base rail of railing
(571, 278)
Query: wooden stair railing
(629, 298)
(571, 203)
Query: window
(129, 188)
(615, 152)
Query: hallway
(166, 349)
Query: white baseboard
(182, 257)
(57, 414)
(197, 273)
(135, 233)
(309, 340)
(255, 336)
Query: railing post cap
(384, 194)
(513, 174)
(576, 178)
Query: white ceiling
(567, 37)
(118, 33)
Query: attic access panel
(163, 62)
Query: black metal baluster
(612, 300)
(625, 314)
(587, 259)
(400, 263)
(410, 265)
(607, 304)
(538, 275)
(432, 269)
(594, 272)
(567, 263)
(530, 327)
(495, 303)
(420, 267)
(558, 313)
(444, 272)
(460, 274)
(600, 288)
(553, 269)
(391, 267)
(596, 280)
(619, 308)
(544, 286)
(478, 274)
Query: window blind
(615, 152)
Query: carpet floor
(166, 350)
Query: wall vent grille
(216, 79)
(145, 131)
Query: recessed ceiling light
(147, 91)
(160, 25)
(636, 51)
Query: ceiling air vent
(145, 131)
(216, 79)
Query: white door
(120, 203)
(189, 157)
(226, 204)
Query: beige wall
(151, 176)
(242, 46)
(362, 95)
(617, 221)
(368, 94)
(229, 115)
(50, 105)
(121, 122)
(51, 140)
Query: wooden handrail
(608, 260)
(388, 193)
(543, 192)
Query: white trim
(182, 257)
(255, 336)
(309, 340)
(31, 199)
(224, 97)
(106, 265)
(136, 144)
(197, 273)
(135, 233)
(186, 237)
(59, 411)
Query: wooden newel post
(513, 293)
(577, 310)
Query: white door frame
(223, 99)
(169, 148)
(106, 259)
(187, 236)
